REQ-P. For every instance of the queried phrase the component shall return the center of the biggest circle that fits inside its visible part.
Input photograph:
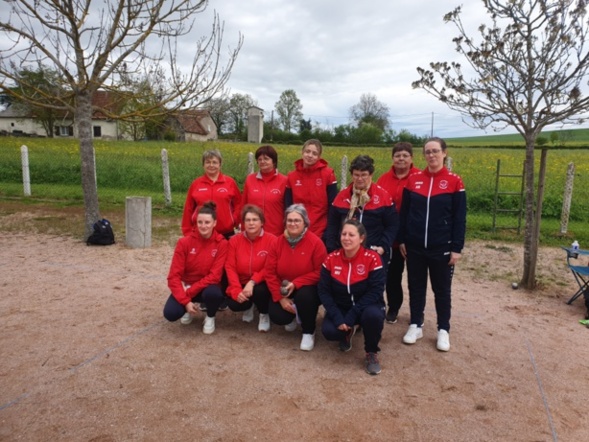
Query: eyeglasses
(432, 152)
(294, 221)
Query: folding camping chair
(580, 272)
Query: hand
(377, 249)
(288, 305)
(241, 298)
(344, 327)
(454, 257)
(248, 289)
(289, 289)
(191, 308)
(403, 250)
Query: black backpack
(103, 234)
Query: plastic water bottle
(575, 245)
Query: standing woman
(266, 189)
(292, 275)
(431, 238)
(246, 267)
(394, 181)
(313, 184)
(350, 288)
(196, 271)
(216, 187)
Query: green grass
(134, 169)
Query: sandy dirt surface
(87, 356)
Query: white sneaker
(413, 334)
(208, 326)
(248, 315)
(443, 340)
(186, 319)
(264, 322)
(308, 342)
(292, 326)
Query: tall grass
(131, 169)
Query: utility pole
(432, 130)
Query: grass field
(134, 169)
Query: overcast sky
(332, 51)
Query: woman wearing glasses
(292, 274)
(394, 181)
(431, 238)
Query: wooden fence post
(166, 177)
(26, 176)
(250, 163)
(566, 199)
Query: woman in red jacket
(266, 189)
(313, 184)
(196, 271)
(246, 267)
(292, 275)
(216, 187)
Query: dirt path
(86, 355)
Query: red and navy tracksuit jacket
(433, 214)
(347, 286)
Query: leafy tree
(91, 44)
(238, 106)
(289, 110)
(219, 110)
(527, 75)
(41, 85)
(370, 110)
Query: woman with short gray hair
(293, 268)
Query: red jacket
(246, 260)
(226, 195)
(394, 185)
(300, 265)
(197, 262)
(267, 192)
(314, 187)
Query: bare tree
(526, 75)
(289, 110)
(219, 109)
(93, 44)
(238, 106)
(370, 110)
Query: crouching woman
(351, 289)
(196, 271)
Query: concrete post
(344, 173)
(138, 221)
(250, 163)
(26, 176)
(166, 176)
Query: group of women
(289, 244)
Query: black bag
(103, 234)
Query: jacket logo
(193, 251)
(319, 182)
(443, 184)
(275, 191)
(298, 183)
(214, 252)
(376, 199)
(222, 190)
(361, 269)
(337, 270)
(263, 253)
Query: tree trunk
(528, 280)
(83, 117)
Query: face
(362, 179)
(212, 166)
(402, 160)
(294, 224)
(265, 163)
(434, 156)
(252, 224)
(205, 224)
(350, 238)
(310, 155)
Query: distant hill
(556, 138)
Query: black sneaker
(392, 316)
(372, 364)
(346, 343)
